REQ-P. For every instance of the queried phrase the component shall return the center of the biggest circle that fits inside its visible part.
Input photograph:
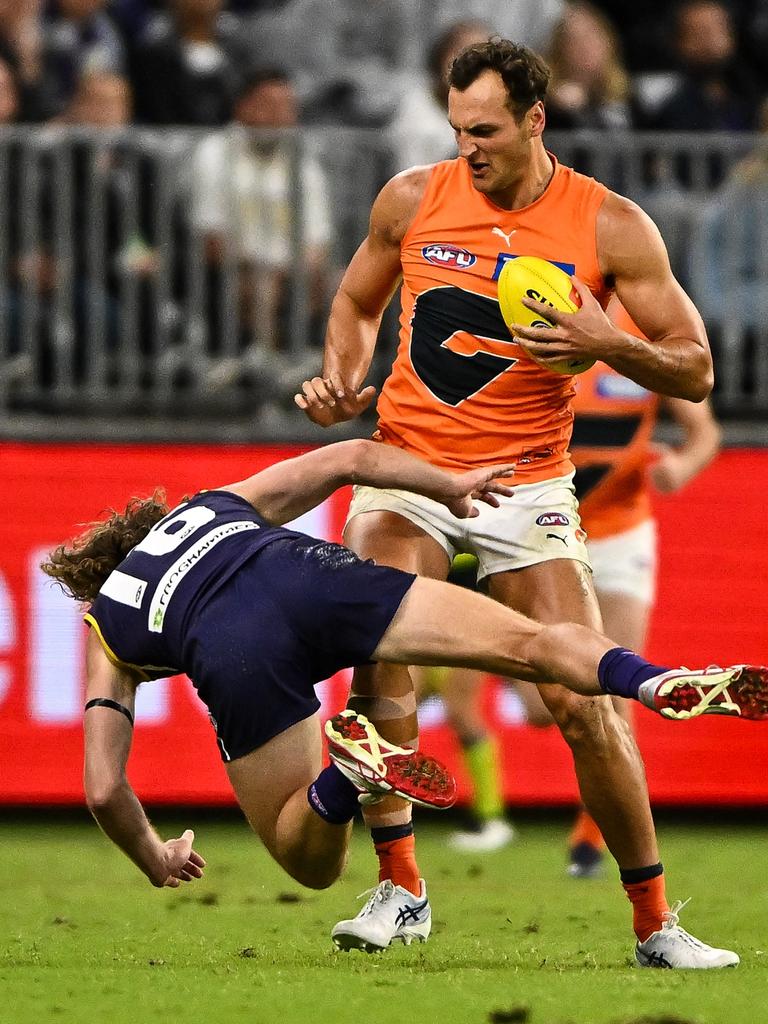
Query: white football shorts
(626, 562)
(539, 522)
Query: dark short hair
(524, 73)
(445, 43)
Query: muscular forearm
(289, 489)
(674, 366)
(121, 817)
(676, 360)
(381, 465)
(349, 341)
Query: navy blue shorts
(294, 614)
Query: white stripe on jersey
(124, 588)
(173, 577)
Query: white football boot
(392, 914)
(490, 835)
(672, 946)
(740, 691)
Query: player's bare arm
(288, 489)
(676, 361)
(110, 798)
(677, 466)
(364, 293)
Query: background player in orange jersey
(463, 392)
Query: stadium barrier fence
(160, 284)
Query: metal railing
(174, 284)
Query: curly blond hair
(81, 565)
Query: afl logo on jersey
(553, 519)
(448, 256)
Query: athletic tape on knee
(383, 709)
(376, 818)
(395, 724)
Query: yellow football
(534, 278)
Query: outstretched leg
(438, 624)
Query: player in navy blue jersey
(257, 614)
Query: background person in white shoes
(256, 615)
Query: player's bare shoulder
(626, 235)
(618, 213)
(397, 203)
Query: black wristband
(105, 702)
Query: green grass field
(84, 938)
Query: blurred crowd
(697, 64)
(245, 204)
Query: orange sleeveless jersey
(614, 423)
(462, 393)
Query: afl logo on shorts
(553, 519)
(448, 256)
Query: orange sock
(649, 903)
(397, 861)
(585, 830)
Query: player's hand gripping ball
(534, 278)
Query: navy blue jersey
(147, 603)
(254, 614)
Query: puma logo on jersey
(500, 233)
(556, 536)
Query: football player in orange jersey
(463, 392)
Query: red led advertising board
(714, 564)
